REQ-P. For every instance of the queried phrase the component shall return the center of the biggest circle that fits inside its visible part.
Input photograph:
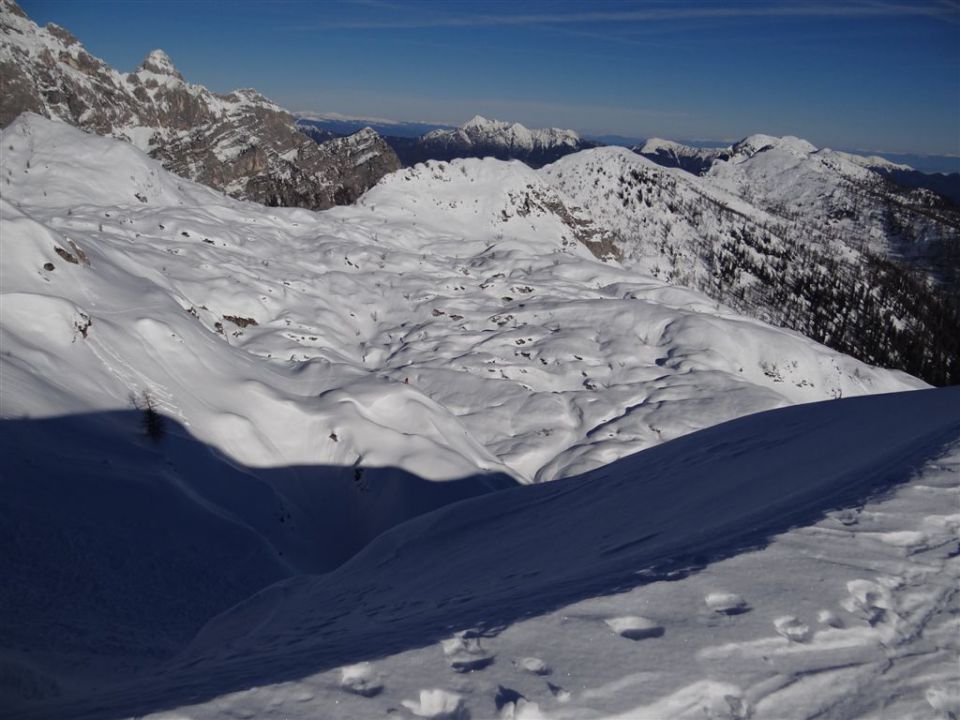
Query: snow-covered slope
(739, 572)
(836, 196)
(457, 289)
(326, 376)
(240, 143)
(836, 191)
(787, 268)
(673, 154)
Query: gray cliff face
(240, 143)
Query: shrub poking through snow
(241, 322)
(153, 423)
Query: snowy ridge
(674, 154)
(28, 46)
(625, 520)
(794, 179)
(480, 130)
(480, 137)
(770, 229)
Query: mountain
(695, 160)
(836, 278)
(481, 137)
(836, 194)
(240, 143)
(318, 134)
(946, 184)
(322, 377)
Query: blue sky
(877, 75)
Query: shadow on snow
(149, 575)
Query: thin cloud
(947, 11)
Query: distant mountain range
(479, 137)
(338, 124)
(240, 143)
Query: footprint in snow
(506, 697)
(868, 600)
(634, 627)
(535, 666)
(829, 618)
(438, 705)
(465, 654)
(793, 629)
(945, 699)
(724, 603)
(848, 516)
(360, 679)
(559, 693)
(522, 709)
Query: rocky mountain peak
(478, 122)
(759, 142)
(239, 143)
(159, 62)
(11, 6)
(64, 35)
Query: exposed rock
(240, 143)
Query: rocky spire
(160, 63)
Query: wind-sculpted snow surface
(453, 309)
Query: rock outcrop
(240, 143)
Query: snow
(496, 133)
(605, 578)
(472, 309)
(364, 408)
(159, 63)
(757, 143)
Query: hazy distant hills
(338, 124)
